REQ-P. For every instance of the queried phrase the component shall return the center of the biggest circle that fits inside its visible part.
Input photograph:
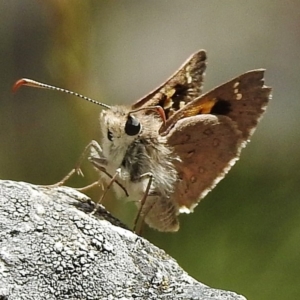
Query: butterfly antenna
(36, 84)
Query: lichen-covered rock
(51, 248)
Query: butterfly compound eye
(132, 126)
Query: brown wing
(208, 144)
(243, 99)
(182, 87)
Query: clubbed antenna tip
(36, 84)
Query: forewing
(242, 99)
(207, 146)
(182, 87)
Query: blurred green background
(245, 236)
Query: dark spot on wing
(179, 95)
(222, 107)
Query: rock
(52, 248)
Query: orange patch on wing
(206, 107)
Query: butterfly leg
(92, 146)
(97, 160)
(99, 164)
(113, 179)
(140, 216)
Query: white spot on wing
(181, 104)
(236, 84)
(239, 96)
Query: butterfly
(171, 147)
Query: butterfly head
(119, 129)
(122, 126)
(118, 123)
